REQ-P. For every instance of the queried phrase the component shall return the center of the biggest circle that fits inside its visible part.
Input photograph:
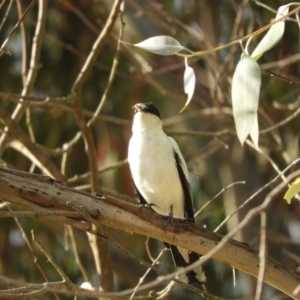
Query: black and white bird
(161, 178)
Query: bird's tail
(183, 258)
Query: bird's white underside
(153, 166)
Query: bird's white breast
(154, 171)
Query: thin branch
(24, 47)
(111, 75)
(35, 260)
(65, 278)
(33, 66)
(247, 201)
(268, 158)
(168, 289)
(142, 279)
(6, 14)
(80, 15)
(16, 26)
(113, 166)
(148, 250)
(23, 289)
(62, 103)
(230, 44)
(281, 123)
(280, 63)
(41, 159)
(77, 258)
(216, 196)
(262, 256)
(91, 59)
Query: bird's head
(146, 117)
(148, 108)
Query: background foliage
(205, 130)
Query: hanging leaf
(293, 190)
(254, 132)
(162, 45)
(298, 21)
(245, 95)
(273, 35)
(189, 81)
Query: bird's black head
(149, 108)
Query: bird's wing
(182, 161)
(141, 198)
(184, 178)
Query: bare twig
(262, 256)
(24, 47)
(33, 66)
(17, 25)
(216, 196)
(90, 61)
(65, 278)
(6, 14)
(77, 258)
(110, 167)
(35, 259)
(41, 159)
(281, 123)
(257, 193)
(111, 75)
(80, 15)
(230, 44)
(148, 250)
(146, 273)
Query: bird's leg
(169, 217)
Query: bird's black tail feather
(194, 277)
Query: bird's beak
(138, 107)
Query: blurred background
(215, 158)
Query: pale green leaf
(162, 45)
(254, 132)
(245, 95)
(273, 35)
(293, 190)
(189, 81)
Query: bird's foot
(185, 221)
(169, 218)
(147, 205)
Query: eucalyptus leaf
(292, 191)
(273, 35)
(254, 132)
(189, 81)
(162, 45)
(245, 95)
